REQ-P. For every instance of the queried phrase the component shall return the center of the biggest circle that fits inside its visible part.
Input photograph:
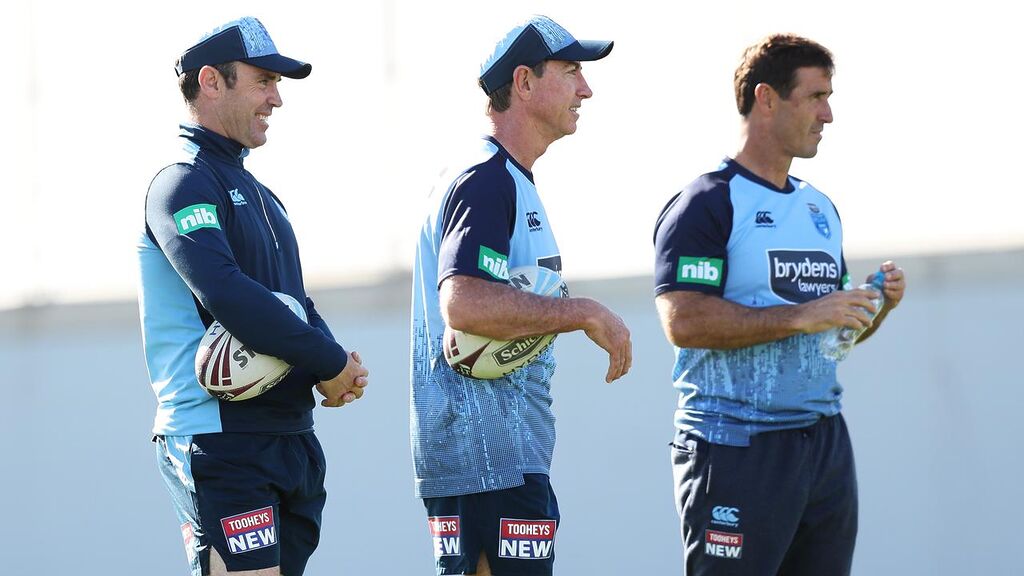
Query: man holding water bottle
(750, 277)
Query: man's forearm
(700, 321)
(500, 311)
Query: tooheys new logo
(723, 544)
(799, 276)
(526, 539)
(250, 531)
(446, 533)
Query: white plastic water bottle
(837, 342)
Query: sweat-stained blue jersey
(469, 436)
(217, 244)
(734, 235)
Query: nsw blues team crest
(820, 221)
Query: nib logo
(700, 270)
(493, 263)
(195, 217)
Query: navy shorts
(515, 527)
(786, 504)
(256, 498)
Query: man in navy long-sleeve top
(247, 477)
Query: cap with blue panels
(244, 40)
(539, 38)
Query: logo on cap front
(257, 40)
(554, 35)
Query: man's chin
(808, 153)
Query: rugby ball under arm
(486, 358)
(229, 370)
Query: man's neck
(761, 155)
(519, 137)
(207, 119)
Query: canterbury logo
(764, 217)
(725, 514)
(532, 221)
(236, 197)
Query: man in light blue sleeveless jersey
(749, 275)
(482, 449)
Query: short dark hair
(774, 61)
(188, 82)
(501, 99)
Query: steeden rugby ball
(229, 370)
(486, 358)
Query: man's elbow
(683, 337)
(677, 333)
(457, 317)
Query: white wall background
(933, 402)
(919, 158)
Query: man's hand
(847, 308)
(347, 386)
(893, 287)
(895, 283)
(608, 331)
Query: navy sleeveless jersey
(468, 436)
(734, 235)
(217, 244)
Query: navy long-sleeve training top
(217, 244)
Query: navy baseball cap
(539, 38)
(245, 40)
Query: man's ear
(522, 84)
(210, 81)
(765, 96)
